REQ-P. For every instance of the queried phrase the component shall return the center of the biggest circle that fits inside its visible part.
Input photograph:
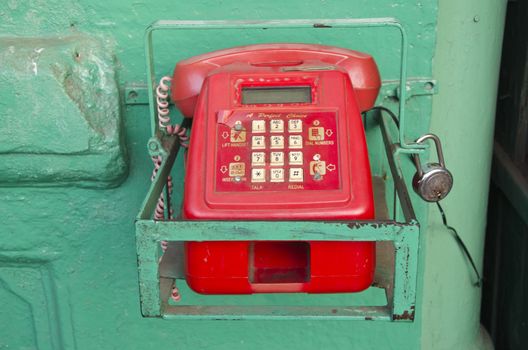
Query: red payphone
(277, 135)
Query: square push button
(258, 142)
(276, 125)
(258, 158)
(277, 158)
(258, 126)
(237, 169)
(295, 141)
(258, 175)
(239, 135)
(277, 142)
(296, 175)
(316, 134)
(277, 175)
(295, 125)
(296, 158)
(318, 167)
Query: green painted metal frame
(155, 289)
(400, 287)
(404, 146)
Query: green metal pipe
(466, 62)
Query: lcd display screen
(276, 95)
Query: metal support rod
(399, 183)
(160, 180)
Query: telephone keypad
(272, 156)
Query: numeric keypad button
(296, 175)
(295, 141)
(258, 158)
(277, 142)
(277, 158)
(258, 126)
(296, 158)
(277, 175)
(258, 175)
(295, 125)
(258, 142)
(276, 125)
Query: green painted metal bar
(405, 275)
(151, 81)
(286, 230)
(149, 284)
(391, 151)
(259, 312)
(157, 185)
(155, 290)
(328, 313)
(274, 24)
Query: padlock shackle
(433, 181)
(438, 146)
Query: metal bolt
(428, 86)
(132, 95)
(238, 127)
(237, 179)
(153, 146)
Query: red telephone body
(277, 135)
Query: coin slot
(279, 262)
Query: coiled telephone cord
(162, 102)
(164, 123)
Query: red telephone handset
(190, 74)
(277, 135)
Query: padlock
(432, 181)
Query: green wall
(74, 167)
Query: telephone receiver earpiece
(189, 74)
(432, 181)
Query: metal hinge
(415, 87)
